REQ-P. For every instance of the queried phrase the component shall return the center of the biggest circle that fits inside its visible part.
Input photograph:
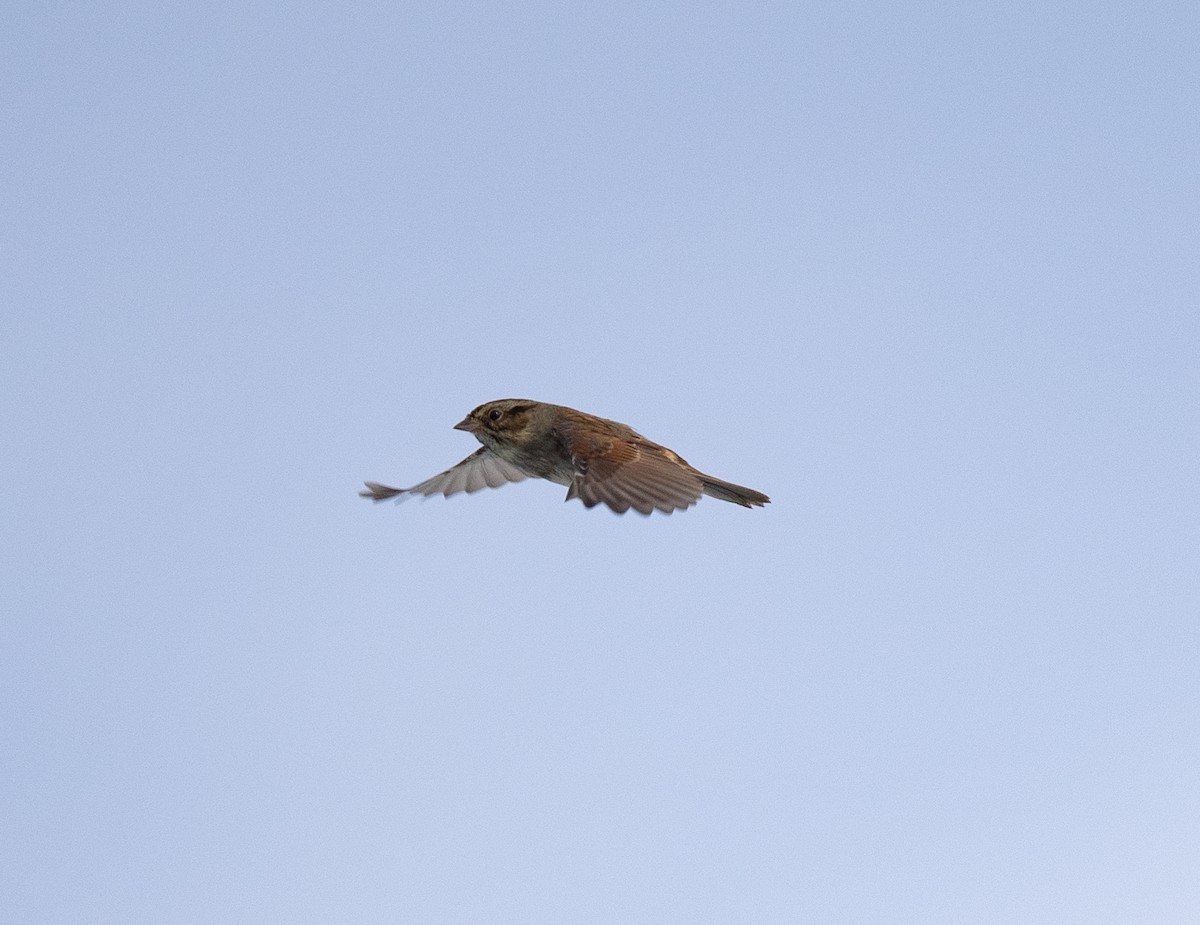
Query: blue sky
(925, 274)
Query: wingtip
(377, 492)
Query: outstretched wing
(482, 469)
(635, 473)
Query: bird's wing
(482, 469)
(630, 473)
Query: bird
(600, 461)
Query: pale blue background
(925, 273)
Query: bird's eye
(494, 414)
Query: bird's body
(600, 461)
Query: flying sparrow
(600, 461)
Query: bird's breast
(539, 459)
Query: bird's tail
(727, 491)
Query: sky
(926, 274)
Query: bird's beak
(468, 424)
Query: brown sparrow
(600, 461)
